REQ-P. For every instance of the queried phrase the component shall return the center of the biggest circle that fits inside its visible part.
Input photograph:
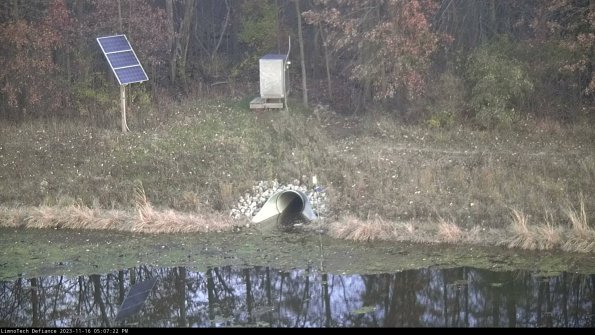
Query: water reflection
(261, 296)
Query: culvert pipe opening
(288, 206)
(290, 203)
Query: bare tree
(179, 40)
(302, 57)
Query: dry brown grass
(449, 232)
(578, 219)
(581, 237)
(352, 228)
(12, 217)
(523, 237)
(548, 235)
(76, 217)
(477, 235)
(146, 220)
(169, 221)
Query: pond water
(266, 297)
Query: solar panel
(134, 74)
(135, 299)
(122, 59)
(114, 43)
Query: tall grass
(578, 218)
(145, 219)
(352, 228)
(582, 235)
(169, 221)
(449, 232)
(523, 237)
(549, 235)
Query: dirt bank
(526, 187)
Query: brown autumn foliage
(371, 53)
(29, 81)
(392, 42)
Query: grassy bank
(187, 164)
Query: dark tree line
(435, 60)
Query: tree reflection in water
(226, 296)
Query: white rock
(249, 204)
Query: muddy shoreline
(41, 252)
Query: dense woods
(442, 62)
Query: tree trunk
(592, 277)
(98, 299)
(511, 307)
(249, 298)
(181, 292)
(120, 16)
(327, 64)
(220, 39)
(121, 290)
(539, 302)
(496, 308)
(223, 29)
(171, 30)
(183, 41)
(277, 9)
(302, 60)
(466, 290)
(445, 299)
(326, 298)
(34, 302)
(211, 301)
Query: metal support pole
(123, 107)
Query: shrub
(445, 100)
(498, 82)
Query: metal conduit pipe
(286, 204)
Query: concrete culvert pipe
(287, 206)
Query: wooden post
(123, 107)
